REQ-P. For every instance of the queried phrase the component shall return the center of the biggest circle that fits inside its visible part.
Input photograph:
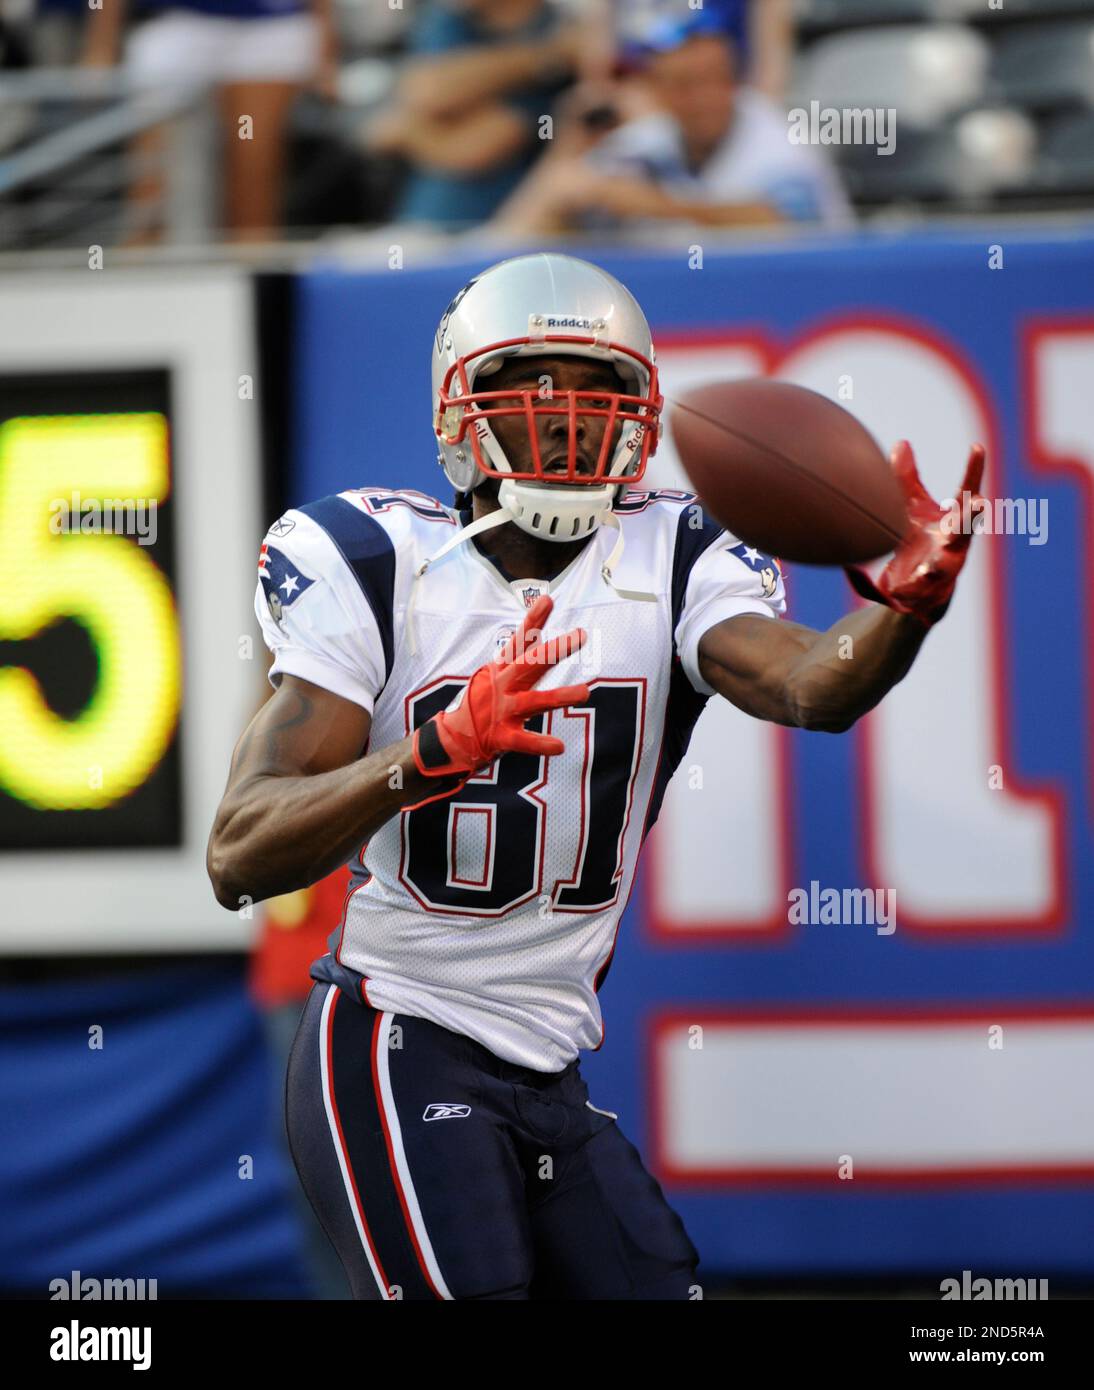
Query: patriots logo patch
(452, 307)
(282, 581)
(763, 565)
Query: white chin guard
(555, 512)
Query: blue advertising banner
(850, 1019)
(140, 1123)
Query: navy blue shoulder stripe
(685, 705)
(366, 547)
(691, 542)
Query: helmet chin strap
(499, 517)
(608, 567)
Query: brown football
(788, 471)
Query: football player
(479, 707)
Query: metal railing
(66, 178)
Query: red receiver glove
(498, 699)
(919, 580)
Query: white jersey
(494, 912)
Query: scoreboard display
(130, 516)
(90, 671)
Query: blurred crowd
(264, 119)
(530, 116)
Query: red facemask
(459, 413)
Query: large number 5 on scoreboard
(506, 797)
(104, 582)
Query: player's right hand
(498, 699)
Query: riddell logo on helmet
(569, 323)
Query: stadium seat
(1066, 164)
(924, 72)
(977, 155)
(1013, 9)
(1045, 65)
(831, 13)
(996, 149)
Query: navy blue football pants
(438, 1170)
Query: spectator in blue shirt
(467, 113)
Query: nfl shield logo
(530, 595)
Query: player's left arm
(795, 675)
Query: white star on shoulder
(751, 554)
(289, 584)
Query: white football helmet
(539, 305)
